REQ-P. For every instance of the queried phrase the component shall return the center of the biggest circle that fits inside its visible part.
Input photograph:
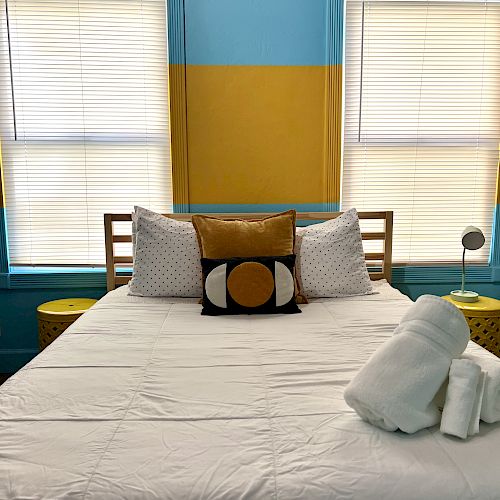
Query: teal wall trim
(182, 208)
(441, 274)
(176, 32)
(54, 277)
(83, 279)
(251, 207)
(4, 251)
(495, 238)
(331, 206)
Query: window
(84, 122)
(422, 120)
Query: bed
(145, 398)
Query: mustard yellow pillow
(273, 236)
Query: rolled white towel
(460, 397)
(490, 364)
(476, 409)
(396, 387)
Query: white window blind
(84, 122)
(422, 120)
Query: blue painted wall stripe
(335, 31)
(260, 32)
(257, 207)
(175, 30)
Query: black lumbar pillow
(250, 285)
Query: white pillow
(331, 261)
(166, 257)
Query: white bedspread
(146, 398)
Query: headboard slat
(122, 238)
(374, 256)
(373, 236)
(114, 279)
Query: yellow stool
(55, 316)
(483, 317)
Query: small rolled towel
(460, 397)
(476, 409)
(395, 389)
(490, 364)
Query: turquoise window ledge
(53, 277)
(96, 277)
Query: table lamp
(472, 239)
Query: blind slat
(91, 129)
(422, 120)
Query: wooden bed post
(387, 268)
(110, 251)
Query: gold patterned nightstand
(55, 316)
(483, 317)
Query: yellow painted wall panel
(256, 134)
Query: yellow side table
(55, 316)
(483, 318)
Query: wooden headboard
(382, 260)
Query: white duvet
(146, 398)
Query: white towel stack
(460, 398)
(476, 408)
(397, 386)
(490, 365)
(419, 370)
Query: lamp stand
(464, 295)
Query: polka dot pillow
(166, 257)
(331, 261)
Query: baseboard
(11, 360)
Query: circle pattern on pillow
(215, 286)
(285, 285)
(250, 284)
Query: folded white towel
(476, 409)
(460, 397)
(490, 364)
(396, 387)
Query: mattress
(144, 398)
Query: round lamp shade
(472, 238)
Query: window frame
(485, 272)
(85, 275)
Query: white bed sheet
(145, 398)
